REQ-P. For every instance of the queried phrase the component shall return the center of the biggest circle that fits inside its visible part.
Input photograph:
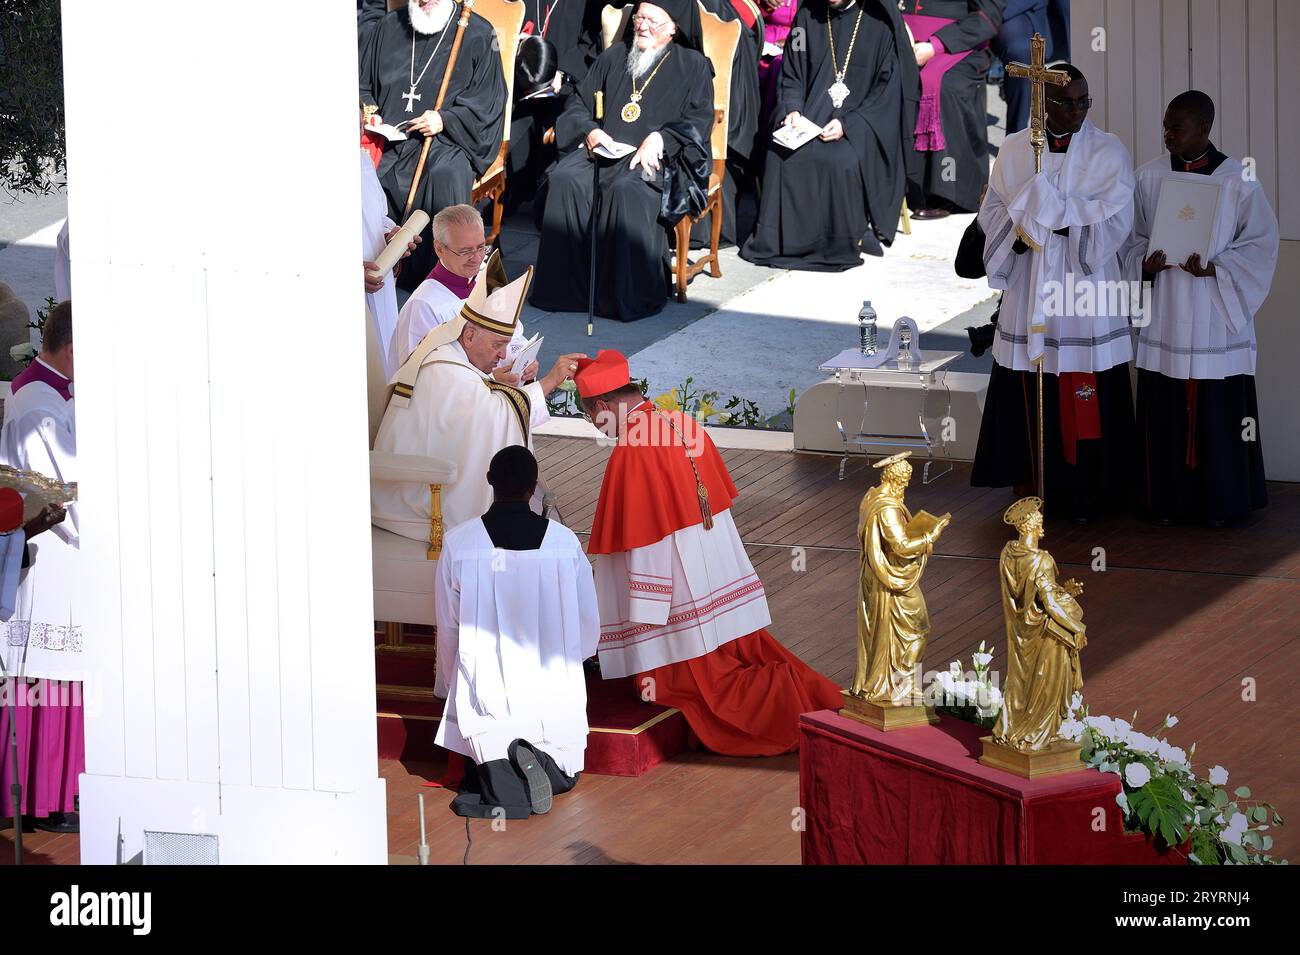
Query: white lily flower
(1219, 776)
(1171, 720)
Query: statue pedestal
(886, 718)
(1061, 757)
(920, 796)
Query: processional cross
(1039, 76)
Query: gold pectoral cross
(1039, 76)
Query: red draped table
(919, 796)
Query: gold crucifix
(1038, 76)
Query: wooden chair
(720, 41)
(507, 19)
(613, 21)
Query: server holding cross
(1058, 208)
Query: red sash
(1080, 410)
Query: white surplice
(456, 413)
(513, 630)
(677, 599)
(39, 435)
(1089, 189)
(1205, 327)
(375, 225)
(430, 305)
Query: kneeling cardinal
(680, 605)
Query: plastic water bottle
(867, 328)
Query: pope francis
(446, 402)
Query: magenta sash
(929, 121)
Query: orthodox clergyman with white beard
(657, 88)
(402, 68)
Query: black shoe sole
(535, 778)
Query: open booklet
(614, 150)
(525, 356)
(923, 522)
(792, 137)
(391, 133)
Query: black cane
(591, 224)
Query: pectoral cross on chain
(410, 97)
(1038, 76)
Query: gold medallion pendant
(631, 112)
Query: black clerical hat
(685, 14)
(535, 65)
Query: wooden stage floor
(1178, 620)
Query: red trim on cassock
(649, 488)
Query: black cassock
(573, 28)
(632, 241)
(962, 108)
(827, 202)
(742, 122)
(473, 115)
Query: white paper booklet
(792, 137)
(1185, 215)
(614, 151)
(525, 356)
(391, 133)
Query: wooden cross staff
(1039, 76)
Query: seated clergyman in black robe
(402, 68)
(952, 40)
(837, 196)
(658, 98)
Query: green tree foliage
(33, 147)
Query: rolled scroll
(403, 237)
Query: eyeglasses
(466, 253)
(654, 25)
(1069, 105)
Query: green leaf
(1220, 799)
(1236, 852)
(1243, 792)
(1259, 814)
(1254, 838)
(1205, 846)
(1162, 809)
(1268, 843)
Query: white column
(221, 418)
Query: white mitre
(494, 304)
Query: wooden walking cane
(466, 9)
(591, 222)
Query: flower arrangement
(701, 405)
(1161, 796)
(972, 695)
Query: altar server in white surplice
(1052, 244)
(517, 617)
(1198, 417)
(381, 293)
(446, 403)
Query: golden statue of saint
(892, 619)
(1045, 633)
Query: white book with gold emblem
(1185, 217)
